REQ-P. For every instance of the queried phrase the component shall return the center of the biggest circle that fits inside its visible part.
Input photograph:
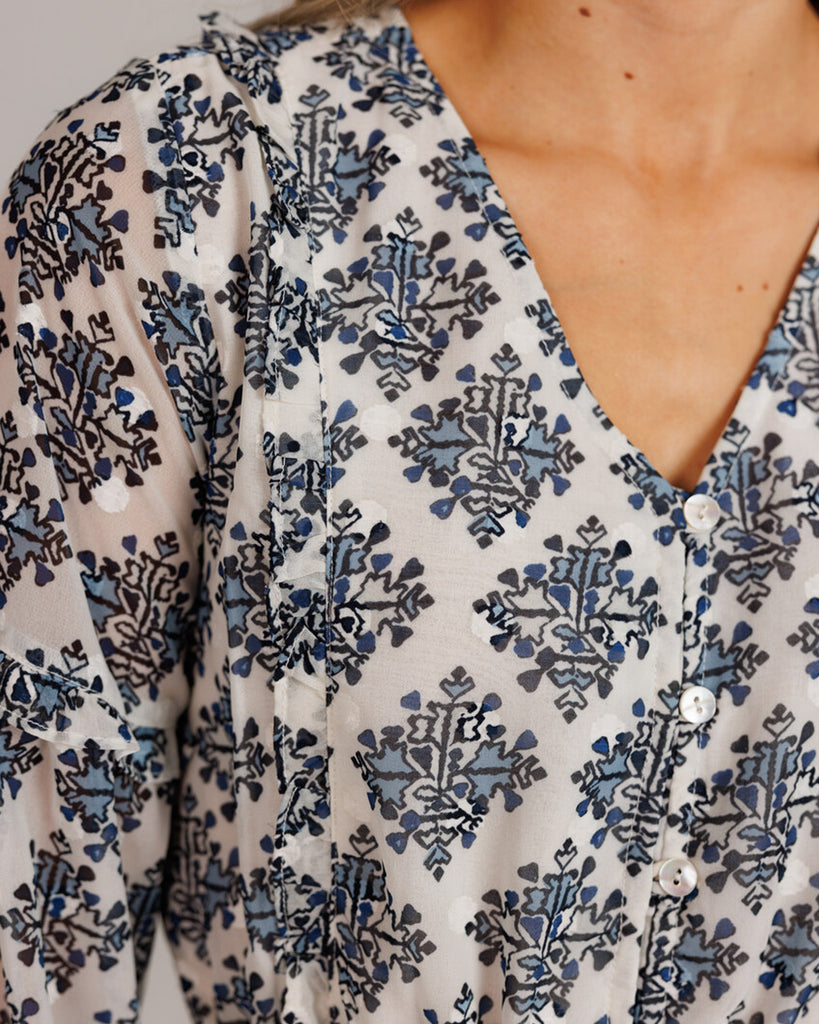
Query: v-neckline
(534, 295)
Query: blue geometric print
(340, 627)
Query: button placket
(697, 703)
(676, 875)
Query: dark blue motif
(576, 615)
(437, 777)
(493, 449)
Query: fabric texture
(339, 625)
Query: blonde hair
(305, 11)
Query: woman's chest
(666, 293)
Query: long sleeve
(110, 390)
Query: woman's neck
(657, 84)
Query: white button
(697, 704)
(701, 513)
(677, 876)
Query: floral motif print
(412, 285)
(438, 782)
(546, 929)
(341, 630)
(492, 450)
(576, 616)
(370, 596)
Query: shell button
(701, 513)
(697, 704)
(677, 876)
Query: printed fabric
(340, 628)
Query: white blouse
(339, 625)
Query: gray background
(51, 53)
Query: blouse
(340, 627)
